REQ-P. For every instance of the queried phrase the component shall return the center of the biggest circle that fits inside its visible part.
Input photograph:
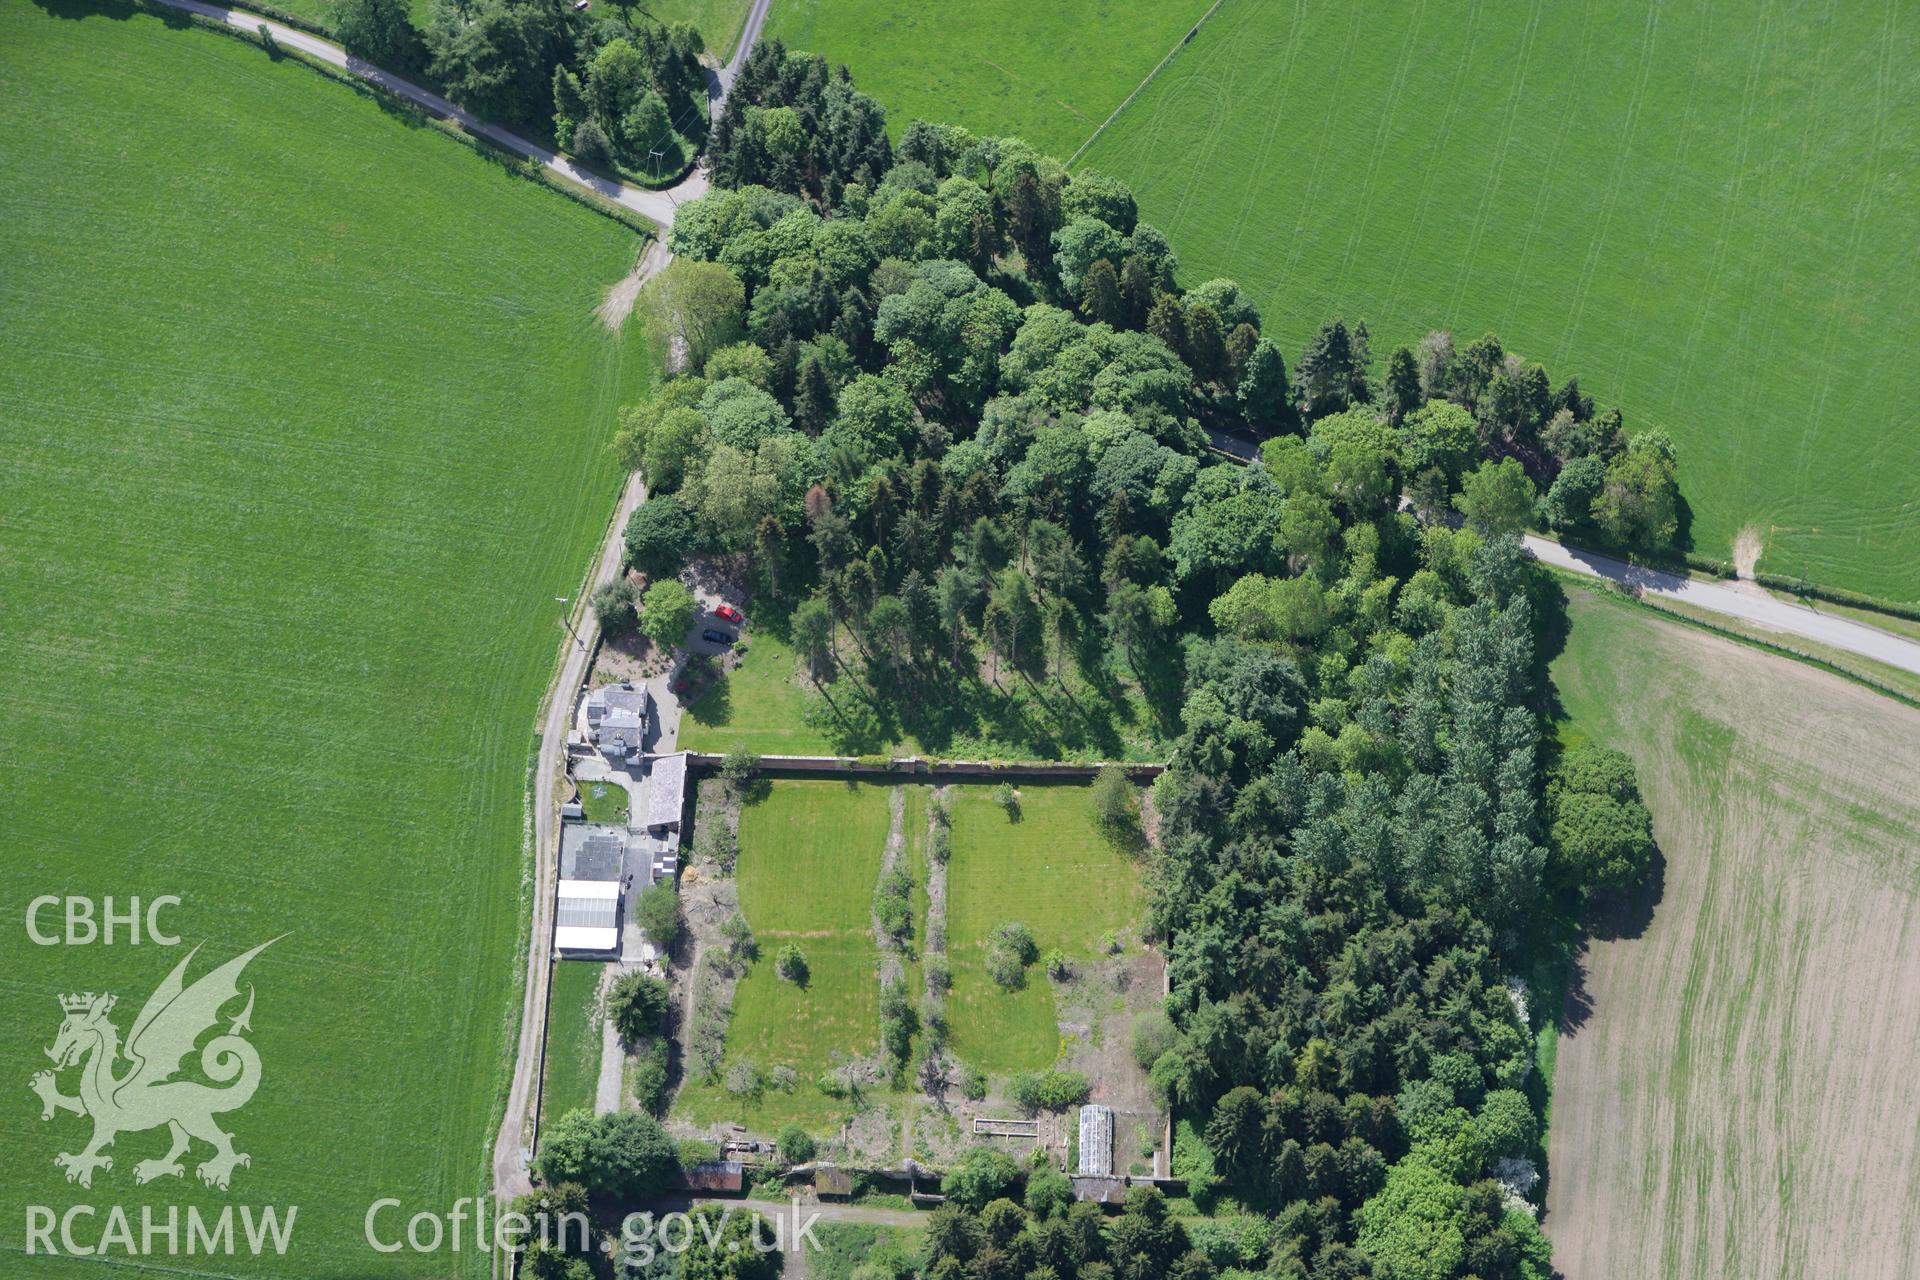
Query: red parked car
(728, 613)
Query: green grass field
(810, 854)
(304, 415)
(1703, 213)
(573, 1040)
(1048, 72)
(1052, 871)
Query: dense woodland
(951, 404)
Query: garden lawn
(573, 1040)
(1704, 212)
(810, 855)
(760, 706)
(1048, 72)
(604, 802)
(304, 413)
(1053, 871)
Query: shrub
(743, 1078)
(622, 1153)
(796, 1144)
(973, 1084)
(658, 913)
(784, 1078)
(1048, 1090)
(739, 935)
(892, 904)
(982, 1176)
(1057, 966)
(738, 768)
(1007, 798)
(650, 1078)
(1153, 1035)
(613, 605)
(792, 965)
(1116, 807)
(1010, 949)
(897, 1022)
(939, 975)
(637, 1005)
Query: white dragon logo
(146, 1095)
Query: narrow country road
(749, 36)
(1745, 601)
(657, 205)
(511, 1146)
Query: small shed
(833, 1184)
(715, 1177)
(1099, 1190)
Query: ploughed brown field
(1738, 1083)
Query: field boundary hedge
(1151, 76)
(525, 167)
(1838, 595)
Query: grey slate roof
(666, 790)
(617, 718)
(592, 851)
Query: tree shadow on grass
(117, 10)
(713, 709)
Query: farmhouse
(616, 721)
(593, 866)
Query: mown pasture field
(1737, 1041)
(304, 412)
(810, 855)
(1702, 212)
(1047, 72)
(1050, 869)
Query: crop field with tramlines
(1048, 72)
(1704, 213)
(1742, 1028)
(304, 411)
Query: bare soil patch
(617, 305)
(1747, 547)
(1735, 1088)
